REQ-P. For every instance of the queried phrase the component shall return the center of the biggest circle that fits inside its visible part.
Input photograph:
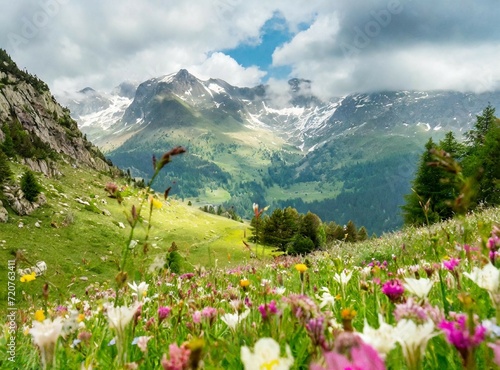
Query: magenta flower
(363, 357)
(493, 246)
(163, 313)
(451, 264)
(266, 310)
(457, 333)
(393, 289)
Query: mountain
(351, 157)
(44, 129)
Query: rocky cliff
(27, 100)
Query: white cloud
(421, 45)
(220, 65)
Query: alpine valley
(347, 158)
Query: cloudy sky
(343, 46)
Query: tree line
(291, 232)
(455, 177)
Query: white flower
(280, 290)
(266, 355)
(487, 277)
(413, 339)
(119, 317)
(139, 290)
(232, 320)
(45, 335)
(326, 298)
(343, 278)
(419, 287)
(382, 339)
(142, 342)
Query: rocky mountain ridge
(41, 116)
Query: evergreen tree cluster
(7, 65)
(19, 142)
(454, 177)
(221, 211)
(291, 232)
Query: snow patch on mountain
(216, 88)
(107, 117)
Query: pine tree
(483, 156)
(8, 144)
(30, 186)
(489, 161)
(280, 228)
(351, 232)
(309, 228)
(5, 172)
(448, 187)
(362, 234)
(420, 203)
(484, 122)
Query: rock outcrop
(19, 203)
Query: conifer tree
(8, 144)
(362, 234)
(30, 186)
(5, 172)
(420, 203)
(351, 232)
(489, 161)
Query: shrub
(301, 245)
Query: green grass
(81, 245)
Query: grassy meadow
(421, 298)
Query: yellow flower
(28, 277)
(39, 315)
(81, 317)
(300, 267)
(244, 283)
(155, 202)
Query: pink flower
(197, 317)
(209, 314)
(178, 358)
(363, 356)
(393, 289)
(496, 352)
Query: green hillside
(82, 243)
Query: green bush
(301, 245)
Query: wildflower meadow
(425, 298)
